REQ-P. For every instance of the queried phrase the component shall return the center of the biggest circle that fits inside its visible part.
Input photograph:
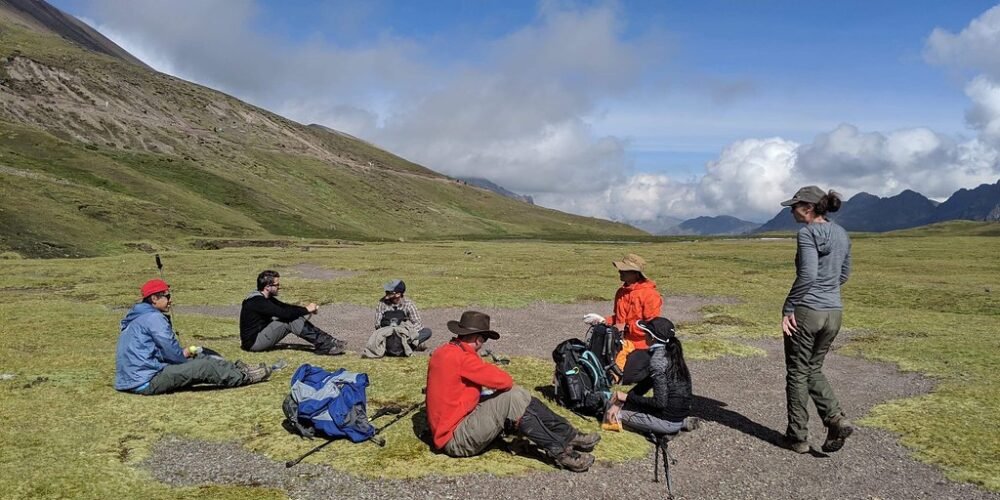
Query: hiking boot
(584, 442)
(691, 423)
(575, 461)
(795, 445)
(838, 430)
(420, 347)
(253, 374)
(333, 351)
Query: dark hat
(473, 322)
(396, 286)
(808, 194)
(661, 329)
(153, 286)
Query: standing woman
(812, 316)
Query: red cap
(154, 286)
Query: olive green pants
(804, 379)
(201, 370)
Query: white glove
(593, 319)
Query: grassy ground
(928, 303)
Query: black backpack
(394, 342)
(605, 341)
(581, 383)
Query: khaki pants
(479, 428)
(804, 380)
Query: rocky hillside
(97, 150)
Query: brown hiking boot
(838, 430)
(799, 447)
(575, 461)
(585, 442)
(253, 374)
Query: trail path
(733, 455)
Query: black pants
(545, 429)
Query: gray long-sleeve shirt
(822, 265)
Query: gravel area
(733, 455)
(534, 330)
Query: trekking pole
(381, 441)
(392, 410)
(159, 268)
(291, 463)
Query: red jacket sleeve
(478, 372)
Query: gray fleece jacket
(822, 265)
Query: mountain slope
(723, 224)
(96, 150)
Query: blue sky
(652, 99)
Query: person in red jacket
(636, 300)
(470, 403)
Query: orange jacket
(635, 302)
(455, 376)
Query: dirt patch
(733, 455)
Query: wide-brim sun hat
(473, 322)
(631, 262)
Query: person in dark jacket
(811, 318)
(668, 410)
(149, 359)
(265, 320)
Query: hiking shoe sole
(836, 442)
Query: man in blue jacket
(149, 360)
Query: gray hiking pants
(479, 428)
(804, 354)
(276, 330)
(644, 423)
(207, 370)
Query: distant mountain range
(866, 212)
(862, 212)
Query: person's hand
(593, 319)
(612, 415)
(620, 397)
(312, 308)
(788, 324)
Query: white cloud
(976, 47)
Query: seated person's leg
(423, 335)
(481, 427)
(322, 341)
(211, 371)
(644, 423)
(270, 336)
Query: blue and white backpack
(328, 404)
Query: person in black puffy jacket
(668, 410)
